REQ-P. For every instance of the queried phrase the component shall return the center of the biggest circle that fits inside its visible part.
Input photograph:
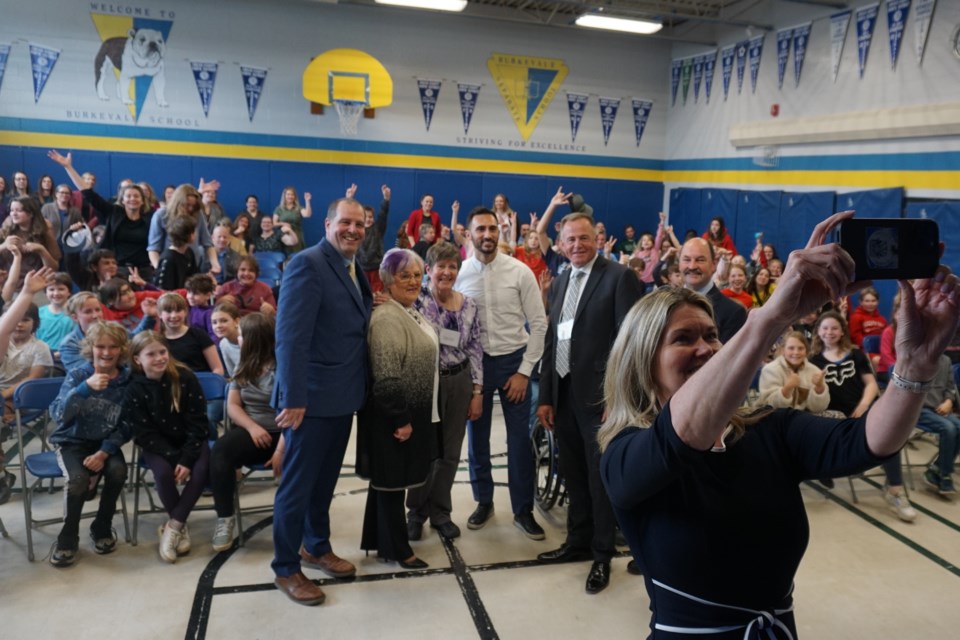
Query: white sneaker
(900, 505)
(183, 546)
(223, 535)
(169, 539)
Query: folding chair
(271, 266)
(214, 387)
(33, 398)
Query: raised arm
(34, 282)
(558, 199)
(307, 210)
(67, 163)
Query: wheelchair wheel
(547, 467)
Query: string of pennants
(468, 94)
(43, 60)
(699, 69)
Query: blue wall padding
(756, 211)
(799, 214)
(947, 216)
(716, 202)
(874, 203)
(685, 208)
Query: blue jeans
(520, 468)
(948, 429)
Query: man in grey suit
(586, 304)
(697, 265)
(322, 372)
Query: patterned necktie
(567, 313)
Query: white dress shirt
(586, 269)
(508, 298)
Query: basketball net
(349, 113)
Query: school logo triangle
(134, 49)
(527, 85)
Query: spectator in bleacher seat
(888, 346)
(246, 292)
(226, 326)
(939, 416)
(55, 322)
(417, 217)
(165, 410)
(428, 236)
(791, 381)
(254, 436)
(126, 225)
(20, 188)
(455, 318)
(371, 249)
(177, 262)
(45, 190)
(252, 215)
(718, 236)
(212, 212)
(149, 195)
(190, 346)
(737, 281)
(866, 320)
(273, 237)
(553, 254)
(506, 218)
(22, 356)
(26, 229)
(853, 388)
(397, 428)
(167, 195)
(227, 254)
(629, 243)
(200, 291)
(776, 269)
(3, 199)
(59, 211)
(185, 202)
(124, 305)
(89, 437)
(760, 287)
(697, 265)
(529, 254)
(290, 212)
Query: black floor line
(930, 555)
(481, 619)
(930, 514)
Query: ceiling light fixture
(436, 5)
(643, 27)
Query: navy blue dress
(730, 528)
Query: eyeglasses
(64, 193)
(406, 276)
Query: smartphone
(891, 248)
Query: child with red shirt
(122, 304)
(246, 292)
(865, 319)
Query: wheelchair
(550, 488)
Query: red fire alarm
(774, 110)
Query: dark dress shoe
(414, 530)
(416, 563)
(448, 530)
(528, 524)
(480, 515)
(299, 589)
(565, 554)
(633, 568)
(599, 577)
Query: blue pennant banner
(742, 48)
(429, 92)
(922, 16)
(801, 38)
(697, 76)
(576, 105)
(4, 54)
(253, 81)
(839, 23)
(42, 61)
(608, 115)
(755, 52)
(468, 102)
(205, 75)
(674, 80)
(641, 113)
(866, 18)
(897, 12)
(727, 55)
(685, 72)
(783, 54)
(709, 65)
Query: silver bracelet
(910, 385)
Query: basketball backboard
(347, 75)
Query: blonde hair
(140, 342)
(110, 330)
(629, 387)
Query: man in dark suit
(322, 374)
(697, 265)
(587, 304)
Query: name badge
(449, 338)
(565, 330)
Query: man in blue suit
(322, 373)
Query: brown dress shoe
(300, 589)
(330, 563)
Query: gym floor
(866, 575)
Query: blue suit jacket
(322, 323)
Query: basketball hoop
(349, 113)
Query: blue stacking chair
(871, 344)
(214, 388)
(31, 402)
(239, 512)
(271, 266)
